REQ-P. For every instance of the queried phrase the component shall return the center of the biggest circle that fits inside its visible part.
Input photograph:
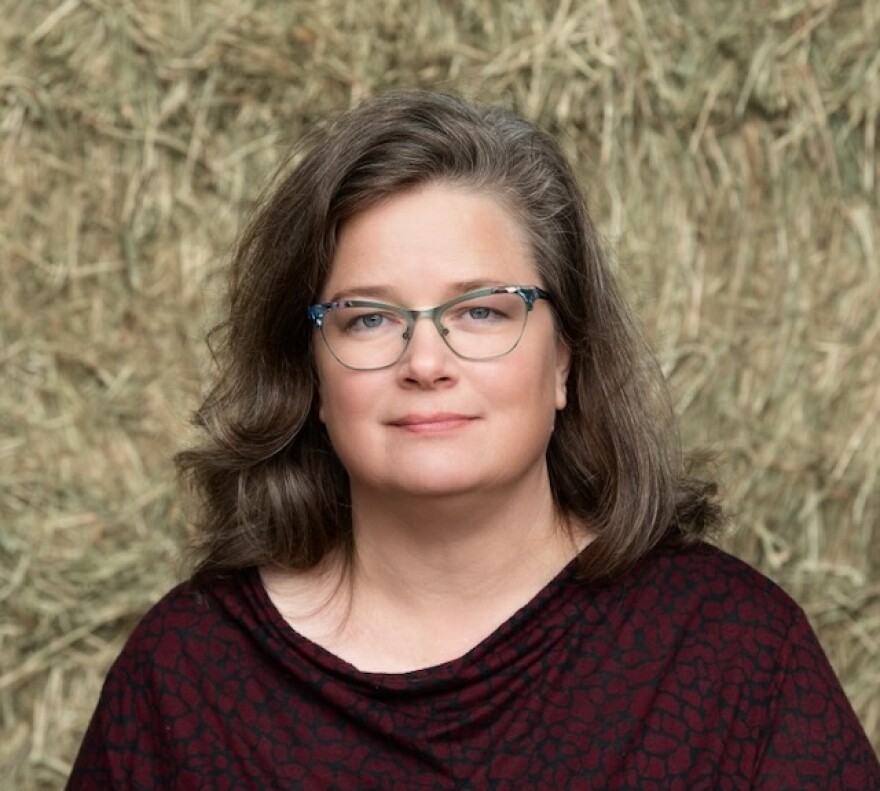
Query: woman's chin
(435, 486)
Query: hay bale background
(731, 154)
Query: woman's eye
(372, 320)
(367, 322)
(480, 314)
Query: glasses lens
(484, 327)
(364, 337)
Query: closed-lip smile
(431, 422)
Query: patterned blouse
(692, 671)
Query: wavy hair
(271, 489)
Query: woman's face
(434, 424)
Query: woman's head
(273, 488)
(441, 368)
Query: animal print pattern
(690, 672)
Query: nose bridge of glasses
(427, 313)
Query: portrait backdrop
(729, 152)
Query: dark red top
(690, 672)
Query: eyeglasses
(479, 325)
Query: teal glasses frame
(529, 295)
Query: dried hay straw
(731, 153)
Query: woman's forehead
(437, 240)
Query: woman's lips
(435, 423)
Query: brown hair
(272, 489)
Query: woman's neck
(425, 555)
(428, 580)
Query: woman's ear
(563, 366)
(319, 402)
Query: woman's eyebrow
(464, 286)
(389, 293)
(385, 293)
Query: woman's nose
(427, 361)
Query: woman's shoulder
(183, 623)
(704, 591)
(709, 574)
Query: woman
(446, 539)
